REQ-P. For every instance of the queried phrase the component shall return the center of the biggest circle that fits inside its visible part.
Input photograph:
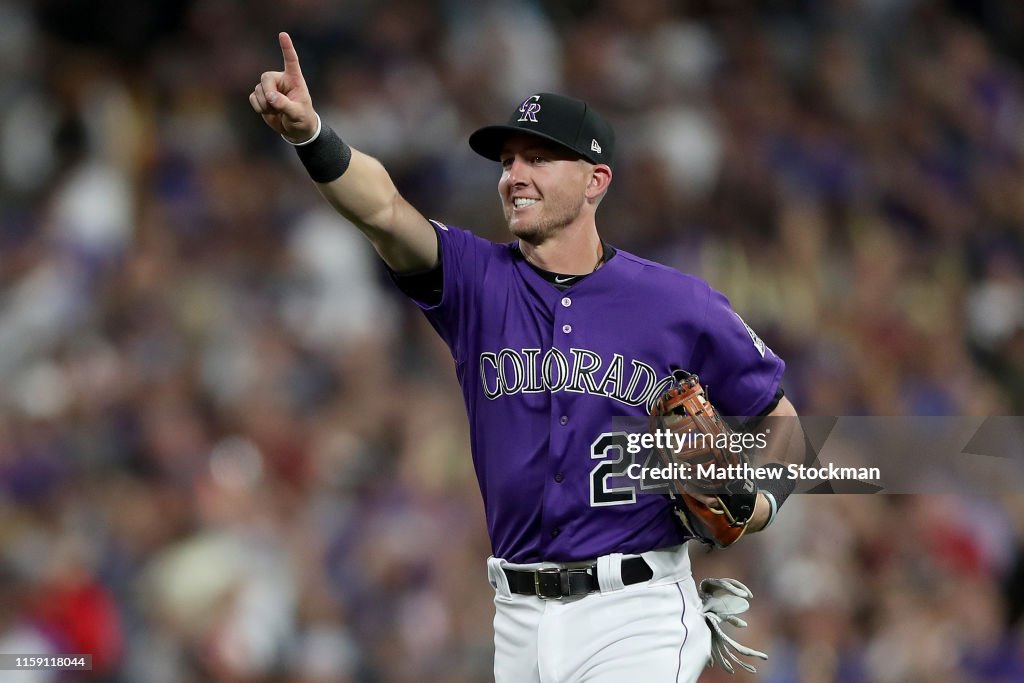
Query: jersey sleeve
(423, 287)
(463, 256)
(741, 372)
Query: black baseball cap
(567, 121)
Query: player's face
(542, 187)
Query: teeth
(521, 202)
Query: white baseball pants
(652, 631)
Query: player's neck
(569, 254)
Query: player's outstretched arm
(363, 191)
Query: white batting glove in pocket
(723, 600)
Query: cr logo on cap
(529, 109)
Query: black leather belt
(554, 583)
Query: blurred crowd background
(230, 452)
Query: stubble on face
(555, 211)
(559, 185)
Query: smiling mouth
(522, 202)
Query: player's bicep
(409, 243)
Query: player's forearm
(366, 195)
(784, 445)
(783, 436)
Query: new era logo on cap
(566, 121)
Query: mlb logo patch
(758, 344)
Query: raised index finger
(291, 57)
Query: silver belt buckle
(544, 586)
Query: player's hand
(282, 98)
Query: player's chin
(528, 231)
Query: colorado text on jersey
(584, 372)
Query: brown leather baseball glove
(710, 464)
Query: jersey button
(567, 328)
(564, 420)
(555, 532)
(567, 302)
(559, 477)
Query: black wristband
(779, 488)
(326, 158)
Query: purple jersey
(543, 372)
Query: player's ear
(600, 179)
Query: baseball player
(553, 335)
